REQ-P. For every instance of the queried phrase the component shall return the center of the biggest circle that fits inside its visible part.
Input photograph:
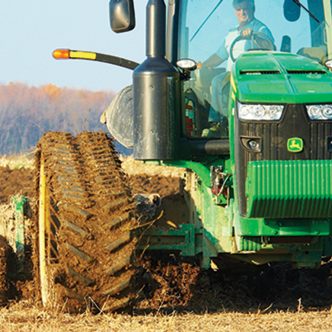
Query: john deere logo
(295, 144)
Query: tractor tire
(86, 230)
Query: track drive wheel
(86, 242)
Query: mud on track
(90, 259)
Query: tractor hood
(272, 77)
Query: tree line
(27, 112)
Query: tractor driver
(249, 34)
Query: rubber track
(91, 200)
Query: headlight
(260, 112)
(187, 64)
(320, 112)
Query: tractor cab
(217, 30)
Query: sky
(31, 30)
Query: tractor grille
(289, 189)
(273, 137)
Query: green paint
(185, 239)
(200, 169)
(282, 79)
(19, 203)
(283, 227)
(289, 189)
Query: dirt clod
(170, 283)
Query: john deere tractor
(259, 178)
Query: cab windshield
(214, 33)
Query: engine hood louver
(259, 72)
(306, 72)
(289, 71)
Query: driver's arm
(217, 58)
(264, 38)
(213, 61)
(264, 44)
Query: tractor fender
(119, 118)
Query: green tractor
(259, 168)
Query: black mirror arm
(117, 61)
(298, 2)
(92, 56)
(185, 74)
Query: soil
(174, 284)
(15, 181)
(3, 271)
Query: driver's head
(244, 10)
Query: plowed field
(180, 297)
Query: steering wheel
(252, 37)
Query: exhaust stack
(156, 86)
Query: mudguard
(119, 117)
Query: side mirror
(122, 15)
(292, 10)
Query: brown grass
(27, 317)
(18, 161)
(130, 166)
(136, 167)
